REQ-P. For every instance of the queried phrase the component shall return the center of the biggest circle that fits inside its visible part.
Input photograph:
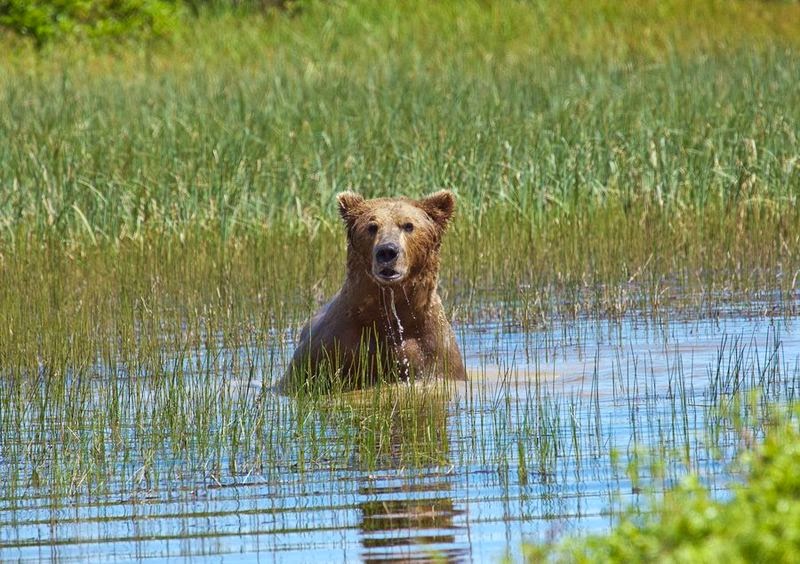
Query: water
(535, 446)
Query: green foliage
(47, 19)
(759, 523)
(244, 119)
(582, 125)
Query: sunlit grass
(261, 124)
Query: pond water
(538, 444)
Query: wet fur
(370, 329)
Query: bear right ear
(350, 205)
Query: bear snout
(386, 253)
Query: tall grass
(590, 147)
(541, 109)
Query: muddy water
(537, 445)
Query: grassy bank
(605, 157)
(245, 124)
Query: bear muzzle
(387, 263)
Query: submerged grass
(156, 420)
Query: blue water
(536, 446)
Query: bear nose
(386, 253)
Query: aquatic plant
(757, 522)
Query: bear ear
(350, 205)
(440, 206)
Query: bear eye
(372, 228)
(408, 227)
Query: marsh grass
(260, 126)
(156, 418)
(595, 173)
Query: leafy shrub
(45, 19)
(759, 523)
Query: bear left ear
(349, 206)
(440, 206)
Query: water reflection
(535, 445)
(400, 427)
(411, 523)
(403, 520)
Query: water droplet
(403, 363)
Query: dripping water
(410, 308)
(403, 363)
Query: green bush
(759, 523)
(46, 19)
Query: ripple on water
(534, 446)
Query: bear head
(395, 240)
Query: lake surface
(539, 444)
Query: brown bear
(387, 321)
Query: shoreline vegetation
(756, 522)
(643, 152)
